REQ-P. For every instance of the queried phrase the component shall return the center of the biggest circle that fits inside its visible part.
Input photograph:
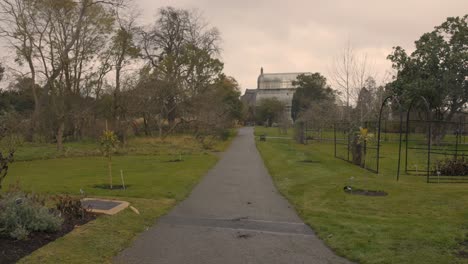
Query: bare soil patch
(351, 190)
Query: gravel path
(234, 215)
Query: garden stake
(123, 182)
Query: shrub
(453, 167)
(70, 207)
(22, 214)
(4, 163)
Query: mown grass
(155, 184)
(173, 145)
(416, 223)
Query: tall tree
(310, 88)
(437, 69)
(348, 72)
(2, 71)
(58, 40)
(121, 53)
(19, 27)
(182, 52)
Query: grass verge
(416, 223)
(155, 184)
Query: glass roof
(277, 80)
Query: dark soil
(463, 253)
(13, 250)
(309, 161)
(114, 187)
(175, 160)
(244, 236)
(351, 190)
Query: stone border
(112, 211)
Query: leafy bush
(70, 207)
(22, 214)
(453, 167)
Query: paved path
(235, 215)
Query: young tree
(109, 143)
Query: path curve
(234, 215)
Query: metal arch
(400, 110)
(429, 140)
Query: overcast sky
(306, 35)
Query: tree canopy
(310, 88)
(269, 110)
(437, 69)
(82, 63)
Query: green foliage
(269, 110)
(310, 88)
(18, 97)
(22, 214)
(229, 93)
(109, 143)
(437, 69)
(105, 237)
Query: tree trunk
(117, 92)
(356, 150)
(59, 135)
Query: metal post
(349, 136)
(429, 150)
(456, 139)
(379, 130)
(334, 134)
(407, 140)
(399, 146)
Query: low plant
(22, 214)
(452, 167)
(70, 207)
(4, 163)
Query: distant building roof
(277, 80)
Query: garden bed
(13, 250)
(351, 190)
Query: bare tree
(58, 40)
(181, 52)
(349, 72)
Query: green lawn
(155, 185)
(416, 223)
